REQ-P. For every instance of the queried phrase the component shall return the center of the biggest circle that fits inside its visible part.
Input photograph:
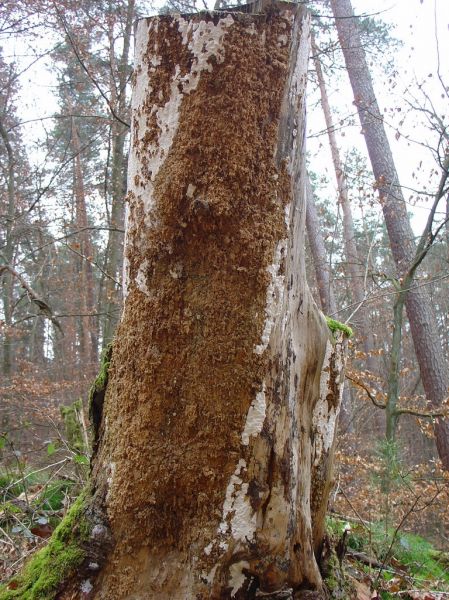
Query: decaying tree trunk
(209, 441)
(213, 457)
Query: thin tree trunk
(432, 363)
(89, 325)
(391, 415)
(319, 255)
(353, 259)
(114, 250)
(325, 287)
(8, 254)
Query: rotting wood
(223, 386)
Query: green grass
(415, 554)
(421, 558)
(51, 497)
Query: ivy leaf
(51, 448)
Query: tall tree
(354, 264)
(319, 255)
(433, 365)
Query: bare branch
(85, 69)
(33, 296)
(367, 390)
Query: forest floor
(388, 523)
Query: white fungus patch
(283, 40)
(242, 522)
(209, 577)
(86, 587)
(287, 210)
(255, 417)
(125, 272)
(190, 190)
(237, 578)
(141, 278)
(208, 549)
(325, 419)
(275, 296)
(204, 40)
(110, 478)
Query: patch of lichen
(335, 326)
(101, 380)
(43, 575)
(336, 582)
(74, 433)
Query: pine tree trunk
(112, 296)
(429, 353)
(88, 324)
(8, 254)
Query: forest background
(65, 79)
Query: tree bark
(432, 363)
(214, 444)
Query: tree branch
(85, 69)
(367, 390)
(33, 296)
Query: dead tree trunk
(428, 349)
(214, 449)
(209, 441)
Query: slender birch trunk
(432, 362)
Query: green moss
(51, 566)
(335, 326)
(73, 429)
(335, 580)
(100, 383)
